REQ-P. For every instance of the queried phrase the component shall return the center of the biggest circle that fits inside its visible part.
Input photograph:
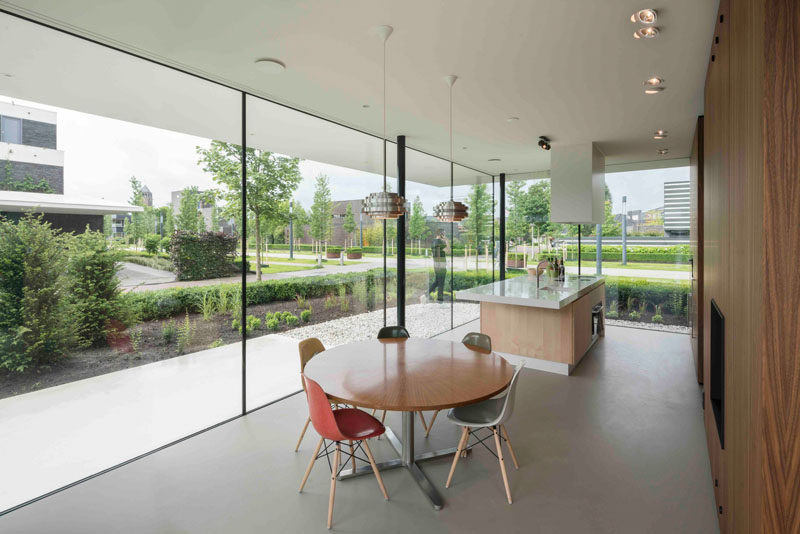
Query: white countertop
(522, 291)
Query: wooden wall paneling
(715, 216)
(780, 322)
(696, 243)
(745, 271)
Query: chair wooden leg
(352, 456)
(375, 469)
(311, 464)
(373, 412)
(457, 455)
(502, 464)
(510, 448)
(464, 452)
(303, 433)
(424, 424)
(383, 417)
(336, 457)
(430, 425)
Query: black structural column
(494, 205)
(401, 232)
(244, 250)
(502, 226)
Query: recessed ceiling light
(653, 90)
(270, 65)
(645, 16)
(660, 134)
(494, 159)
(365, 106)
(6, 75)
(662, 151)
(655, 81)
(463, 148)
(648, 32)
(512, 119)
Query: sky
(101, 154)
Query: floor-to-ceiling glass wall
(316, 261)
(645, 249)
(429, 247)
(473, 251)
(116, 252)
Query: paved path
(132, 275)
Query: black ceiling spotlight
(544, 142)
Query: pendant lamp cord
(451, 141)
(384, 116)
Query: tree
(516, 223)
(349, 225)
(271, 181)
(138, 226)
(478, 224)
(215, 219)
(417, 222)
(536, 207)
(189, 216)
(321, 209)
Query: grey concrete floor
(617, 447)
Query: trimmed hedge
(672, 294)
(639, 254)
(200, 256)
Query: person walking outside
(439, 249)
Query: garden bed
(216, 331)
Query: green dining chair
(476, 341)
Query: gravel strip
(422, 320)
(650, 326)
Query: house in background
(32, 174)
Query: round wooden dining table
(408, 375)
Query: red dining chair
(334, 427)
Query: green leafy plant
(344, 300)
(273, 324)
(136, 339)
(330, 301)
(167, 332)
(200, 256)
(302, 302)
(292, 320)
(223, 299)
(185, 334)
(657, 317)
(251, 323)
(152, 243)
(305, 315)
(634, 315)
(208, 306)
(236, 324)
(642, 307)
(217, 343)
(612, 312)
(165, 244)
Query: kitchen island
(551, 326)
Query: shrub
(251, 323)
(185, 334)
(673, 294)
(95, 291)
(515, 256)
(38, 320)
(285, 316)
(136, 339)
(353, 250)
(292, 320)
(634, 315)
(273, 324)
(236, 325)
(167, 332)
(216, 343)
(305, 315)
(164, 244)
(202, 256)
(657, 317)
(208, 306)
(152, 242)
(612, 312)
(334, 250)
(301, 301)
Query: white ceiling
(568, 69)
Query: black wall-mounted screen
(717, 368)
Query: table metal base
(408, 460)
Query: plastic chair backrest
(388, 332)
(319, 409)
(478, 342)
(508, 403)
(308, 349)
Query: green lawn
(272, 269)
(302, 261)
(635, 265)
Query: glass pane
(429, 247)
(645, 249)
(10, 129)
(121, 345)
(472, 261)
(316, 261)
